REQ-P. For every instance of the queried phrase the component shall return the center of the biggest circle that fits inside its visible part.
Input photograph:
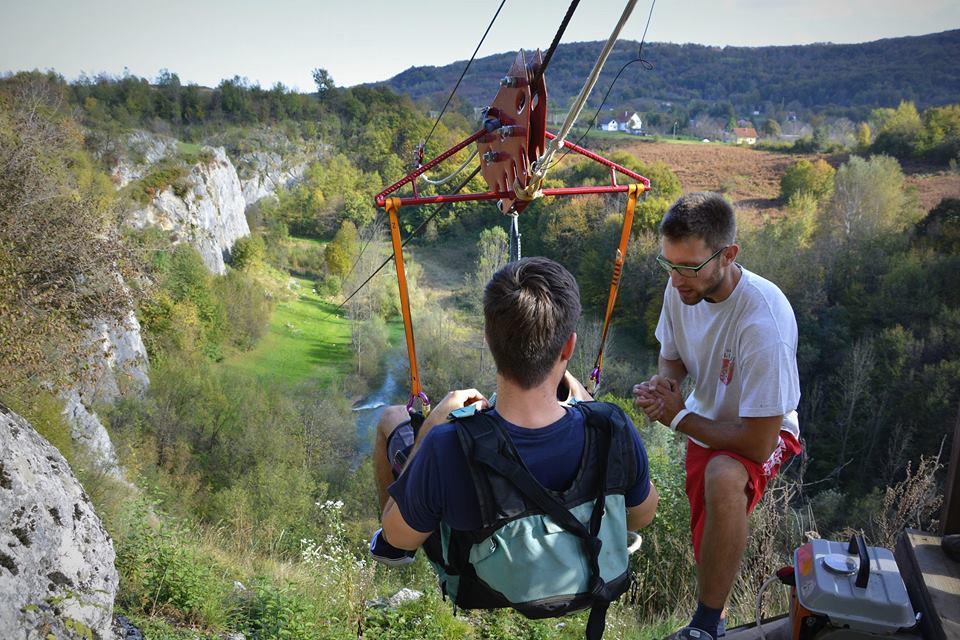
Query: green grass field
(304, 342)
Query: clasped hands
(659, 398)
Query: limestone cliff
(206, 209)
(263, 173)
(57, 574)
(118, 366)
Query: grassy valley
(247, 503)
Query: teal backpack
(544, 553)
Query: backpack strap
(622, 466)
(492, 447)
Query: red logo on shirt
(726, 368)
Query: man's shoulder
(759, 288)
(441, 441)
(764, 297)
(766, 311)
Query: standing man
(735, 334)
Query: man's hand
(451, 402)
(667, 391)
(659, 398)
(459, 399)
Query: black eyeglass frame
(692, 272)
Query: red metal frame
(381, 198)
(613, 187)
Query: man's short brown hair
(530, 308)
(704, 215)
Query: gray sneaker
(385, 553)
(691, 633)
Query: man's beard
(707, 294)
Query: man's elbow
(762, 451)
(642, 515)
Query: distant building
(745, 135)
(630, 124)
(633, 124)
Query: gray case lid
(826, 584)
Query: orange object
(632, 194)
(416, 390)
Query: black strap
(490, 446)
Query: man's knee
(725, 482)
(391, 418)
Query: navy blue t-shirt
(437, 485)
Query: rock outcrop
(208, 214)
(57, 574)
(263, 173)
(118, 367)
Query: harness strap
(632, 193)
(416, 391)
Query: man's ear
(566, 352)
(730, 254)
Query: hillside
(850, 77)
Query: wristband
(683, 413)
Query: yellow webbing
(632, 194)
(416, 390)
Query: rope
(556, 41)
(412, 235)
(416, 391)
(646, 64)
(455, 173)
(540, 166)
(465, 69)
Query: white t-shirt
(740, 352)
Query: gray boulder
(57, 574)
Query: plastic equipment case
(847, 592)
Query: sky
(205, 41)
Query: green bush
(186, 312)
(164, 572)
(247, 252)
(814, 178)
(246, 307)
(163, 174)
(275, 612)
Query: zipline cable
(465, 69)
(412, 235)
(539, 170)
(556, 41)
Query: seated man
(531, 308)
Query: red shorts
(759, 474)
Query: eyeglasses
(684, 270)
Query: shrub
(246, 307)
(247, 252)
(163, 571)
(814, 178)
(165, 173)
